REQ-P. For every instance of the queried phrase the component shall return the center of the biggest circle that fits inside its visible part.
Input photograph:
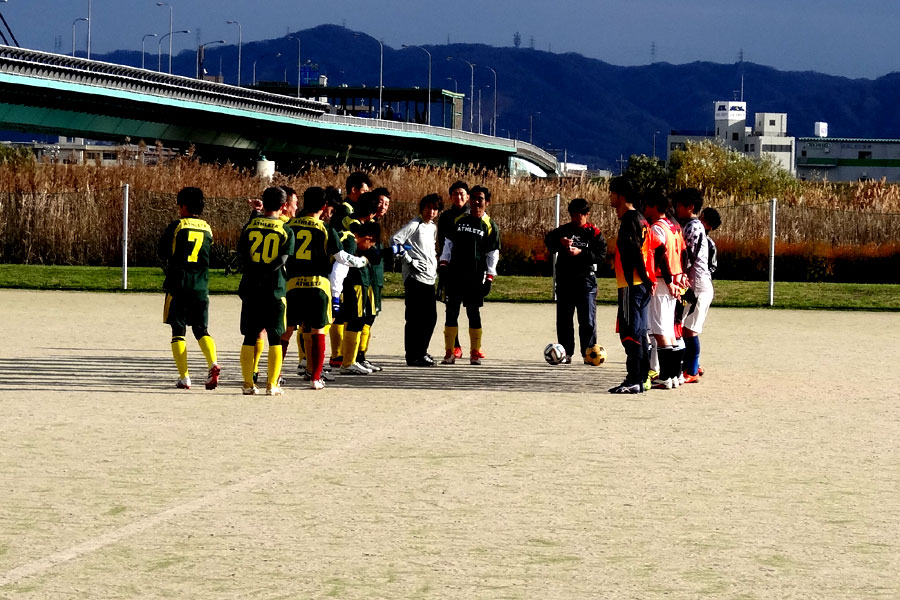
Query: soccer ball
(554, 353)
(595, 355)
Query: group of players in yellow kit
(321, 267)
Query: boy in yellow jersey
(634, 266)
(287, 213)
(184, 250)
(357, 303)
(308, 287)
(264, 248)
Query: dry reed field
(775, 477)
(65, 214)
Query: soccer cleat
(647, 384)
(327, 376)
(688, 378)
(370, 366)
(700, 371)
(337, 361)
(479, 353)
(627, 388)
(653, 374)
(425, 361)
(566, 361)
(212, 378)
(301, 369)
(302, 365)
(327, 368)
(662, 384)
(475, 357)
(681, 379)
(274, 391)
(449, 358)
(457, 353)
(355, 369)
(317, 384)
(183, 384)
(251, 390)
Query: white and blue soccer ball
(554, 353)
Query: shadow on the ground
(87, 370)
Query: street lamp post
(298, 64)
(275, 55)
(73, 32)
(89, 30)
(143, 39)
(655, 133)
(240, 44)
(200, 56)
(171, 20)
(531, 127)
(159, 49)
(380, 72)
(428, 102)
(471, 93)
(494, 126)
(455, 84)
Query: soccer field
(777, 476)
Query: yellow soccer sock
(337, 336)
(274, 366)
(247, 361)
(364, 336)
(450, 334)
(208, 347)
(301, 346)
(179, 353)
(475, 339)
(257, 353)
(350, 347)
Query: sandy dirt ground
(778, 476)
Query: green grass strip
(741, 294)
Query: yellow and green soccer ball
(595, 355)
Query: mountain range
(595, 111)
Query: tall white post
(125, 237)
(772, 209)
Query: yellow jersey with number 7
(184, 249)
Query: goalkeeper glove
(487, 285)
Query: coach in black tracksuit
(579, 248)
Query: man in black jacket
(579, 248)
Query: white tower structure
(731, 123)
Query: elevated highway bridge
(50, 93)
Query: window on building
(803, 153)
(752, 147)
(717, 131)
(771, 122)
(734, 136)
(863, 155)
(776, 147)
(746, 147)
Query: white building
(767, 137)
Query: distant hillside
(595, 110)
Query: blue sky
(839, 37)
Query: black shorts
(186, 310)
(358, 302)
(265, 313)
(308, 306)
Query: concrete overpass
(51, 93)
